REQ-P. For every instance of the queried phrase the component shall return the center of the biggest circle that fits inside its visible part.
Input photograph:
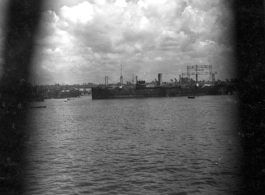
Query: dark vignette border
(249, 47)
(22, 23)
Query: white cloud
(81, 13)
(121, 3)
(158, 59)
(99, 34)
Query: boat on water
(141, 91)
(105, 93)
(64, 94)
(159, 89)
(68, 99)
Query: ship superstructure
(158, 89)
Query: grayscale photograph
(126, 97)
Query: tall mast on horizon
(121, 78)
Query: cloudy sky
(81, 41)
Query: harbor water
(151, 146)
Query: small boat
(191, 97)
(38, 107)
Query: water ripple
(134, 146)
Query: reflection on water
(134, 146)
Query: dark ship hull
(106, 93)
(71, 94)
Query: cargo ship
(66, 94)
(141, 90)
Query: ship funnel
(159, 79)
(213, 77)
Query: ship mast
(121, 78)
